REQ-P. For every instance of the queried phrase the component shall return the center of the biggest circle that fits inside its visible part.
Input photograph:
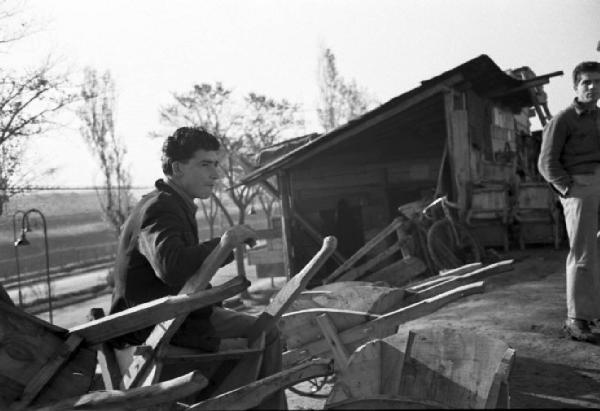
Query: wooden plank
(362, 377)
(467, 268)
(273, 312)
(458, 148)
(33, 388)
(477, 275)
(392, 362)
(162, 393)
(357, 272)
(366, 298)
(335, 345)
(386, 402)
(374, 329)
(29, 343)
(392, 227)
(174, 355)
(251, 395)
(499, 396)
(399, 273)
(466, 384)
(109, 367)
(156, 311)
(283, 177)
(417, 286)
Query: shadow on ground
(534, 382)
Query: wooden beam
(359, 271)
(163, 393)
(458, 149)
(109, 366)
(251, 395)
(452, 282)
(156, 311)
(391, 228)
(340, 354)
(398, 273)
(286, 223)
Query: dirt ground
(526, 308)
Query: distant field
(76, 231)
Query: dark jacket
(165, 227)
(570, 145)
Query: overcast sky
(154, 47)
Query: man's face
(588, 87)
(199, 174)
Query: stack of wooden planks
(331, 321)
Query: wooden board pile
(331, 321)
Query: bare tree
(340, 100)
(97, 115)
(29, 103)
(14, 25)
(214, 108)
(30, 99)
(265, 121)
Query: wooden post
(286, 222)
(457, 128)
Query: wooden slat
(353, 296)
(251, 395)
(391, 228)
(362, 377)
(453, 282)
(467, 268)
(156, 311)
(109, 367)
(398, 273)
(340, 354)
(163, 393)
(359, 271)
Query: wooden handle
(209, 267)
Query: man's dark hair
(183, 144)
(585, 67)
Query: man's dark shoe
(579, 330)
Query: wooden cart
(46, 367)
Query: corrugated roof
(483, 75)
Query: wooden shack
(456, 133)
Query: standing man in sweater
(570, 161)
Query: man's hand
(240, 234)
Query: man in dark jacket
(159, 250)
(570, 161)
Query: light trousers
(582, 267)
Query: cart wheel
(448, 250)
(316, 385)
